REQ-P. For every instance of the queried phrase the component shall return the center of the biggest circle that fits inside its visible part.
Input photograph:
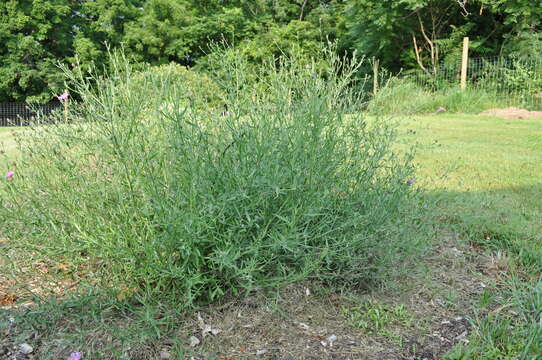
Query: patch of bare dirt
(300, 321)
(513, 113)
(34, 279)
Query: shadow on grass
(507, 219)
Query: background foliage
(35, 35)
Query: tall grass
(166, 198)
(404, 97)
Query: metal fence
(515, 81)
(20, 114)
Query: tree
(180, 30)
(101, 24)
(34, 36)
(294, 27)
(524, 19)
(423, 33)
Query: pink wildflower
(10, 174)
(75, 356)
(63, 97)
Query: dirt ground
(305, 321)
(299, 324)
(512, 113)
(301, 321)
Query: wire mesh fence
(514, 81)
(21, 114)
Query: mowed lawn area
(482, 171)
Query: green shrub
(167, 200)
(200, 88)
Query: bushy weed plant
(161, 198)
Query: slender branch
(418, 57)
(413, 12)
(463, 5)
(422, 28)
(429, 42)
(302, 10)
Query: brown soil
(293, 323)
(440, 300)
(512, 113)
(19, 286)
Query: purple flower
(75, 356)
(411, 181)
(63, 97)
(10, 174)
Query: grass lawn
(482, 176)
(7, 145)
(482, 179)
(483, 168)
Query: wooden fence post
(464, 63)
(66, 106)
(376, 65)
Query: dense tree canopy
(410, 34)
(34, 35)
(423, 33)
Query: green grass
(484, 170)
(481, 176)
(7, 146)
(376, 318)
(402, 97)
